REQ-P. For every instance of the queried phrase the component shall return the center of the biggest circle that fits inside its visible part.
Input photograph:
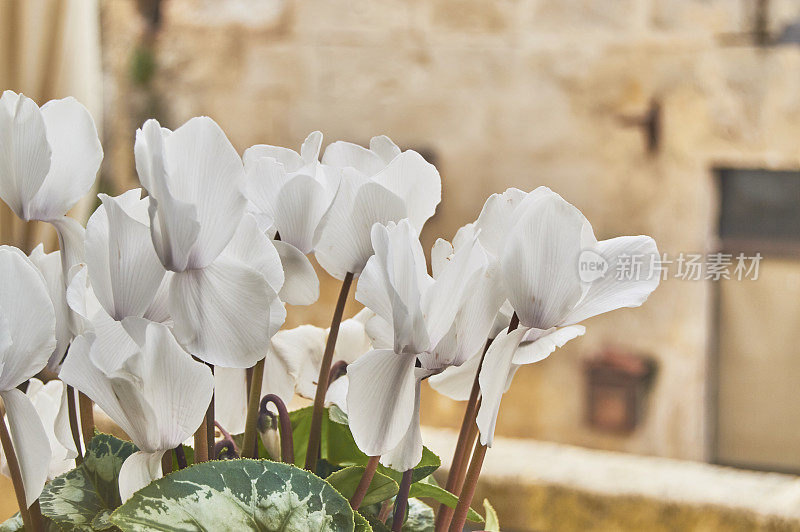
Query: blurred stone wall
(503, 93)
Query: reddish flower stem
(315, 436)
(363, 484)
(287, 443)
(401, 501)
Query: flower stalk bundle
(165, 313)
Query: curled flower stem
(226, 436)
(401, 501)
(287, 443)
(338, 369)
(72, 411)
(31, 517)
(363, 484)
(180, 456)
(471, 482)
(222, 445)
(249, 443)
(466, 440)
(315, 435)
(86, 407)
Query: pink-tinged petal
(495, 378)
(30, 442)
(631, 276)
(539, 264)
(301, 284)
(381, 399)
(25, 157)
(28, 317)
(137, 471)
(76, 157)
(416, 182)
(221, 312)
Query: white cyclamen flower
(49, 161)
(27, 339)
(49, 265)
(147, 384)
(292, 367)
(223, 294)
(422, 326)
(289, 193)
(46, 399)
(377, 186)
(539, 241)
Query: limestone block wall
(504, 93)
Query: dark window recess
(759, 208)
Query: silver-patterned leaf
(81, 499)
(239, 494)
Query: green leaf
(420, 517)
(423, 489)
(492, 522)
(188, 451)
(339, 447)
(78, 499)
(362, 525)
(346, 480)
(239, 494)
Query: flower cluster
(166, 309)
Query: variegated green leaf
(83, 498)
(420, 517)
(239, 494)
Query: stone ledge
(546, 486)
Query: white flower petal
(539, 264)
(61, 427)
(222, 312)
(49, 265)
(178, 387)
(494, 380)
(353, 340)
(300, 353)
(496, 219)
(289, 159)
(299, 206)
(380, 399)
(29, 316)
(76, 157)
(441, 253)
(255, 249)
(384, 148)
(539, 345)
(230, 398)
(25, 159)
(344, 244)
(408, 451)
(416, 182)
(615, 290)
(30, 442)
(348, 155)
(337, 393)
(456, 381)
(124, 269)
(309, 151)
(380, 332)
(70, 240)
(301, 284)
(137, 471)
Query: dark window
(760, 207)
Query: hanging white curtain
(49, 49)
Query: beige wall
(504, 93)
